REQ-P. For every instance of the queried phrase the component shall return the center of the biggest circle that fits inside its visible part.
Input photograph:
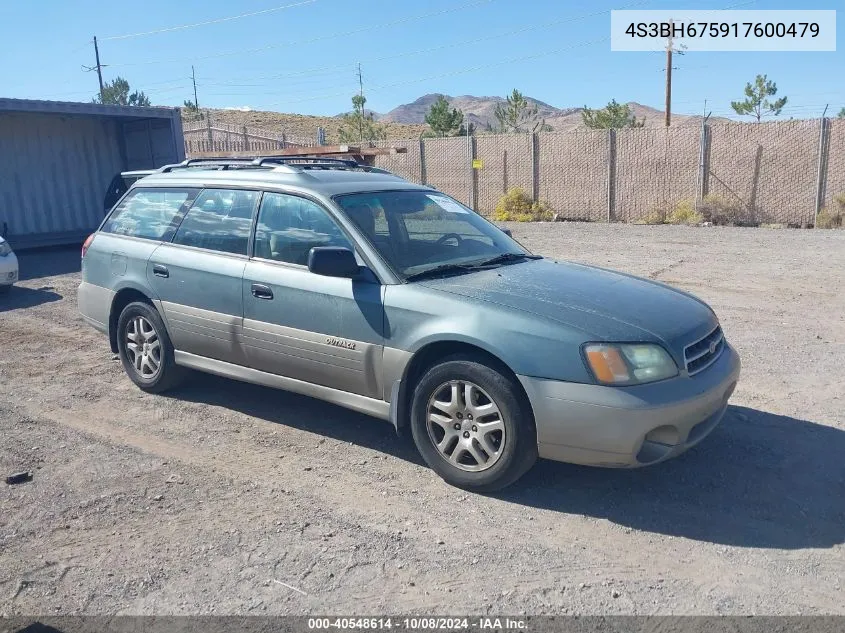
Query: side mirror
(332, 261)
(506, 231)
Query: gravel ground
(227, 498)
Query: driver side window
(289, 227)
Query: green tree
(613, 116)
(444, 121)
(757, 102)
(518, 114)
(117, 93)
(359, 126)
(190, 106)
(841, 114)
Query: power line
(453, 73)
(321, 38)
(207, 22)
(464, 42)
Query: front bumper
(8, 269)
(628, 427)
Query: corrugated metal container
(57, 160)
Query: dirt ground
(227, 498)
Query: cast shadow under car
(759, 480)
(18, 297)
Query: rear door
(198, 275)
(322, 330)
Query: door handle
(160, 271)
(260, 291)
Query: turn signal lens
(607, 364)
(628, 364)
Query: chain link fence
(779, 172)
(506, 163)
(768, 171)
(573, 171)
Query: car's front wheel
(145, 349)
(473, 425)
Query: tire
(477, 457)
(152, 368)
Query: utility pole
(670, 50)
(361, 94)
(98, 67)
(194, 79)
(668, 112)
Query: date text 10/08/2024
(417, 623)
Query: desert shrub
(655, 216)
(833, 218)
(684, 213)
(723, 211)
(517, 206)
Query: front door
(198, 275)
(322, 330)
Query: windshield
(418, 231)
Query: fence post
(247, 146)
(821, 173)
(210, 133)
(423, 174)
(703, 162)
(473, 182)
(535, 166)
(611, 174)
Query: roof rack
(293, 163)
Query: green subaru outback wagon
(359, 288)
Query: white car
(8, 266)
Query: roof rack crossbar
(261, 160)
(223, 163)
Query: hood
(603, 303)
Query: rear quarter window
(151, 214)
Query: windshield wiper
(441, 269)
(466, 267)
(505, 258)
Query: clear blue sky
(302, 58)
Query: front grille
(704, 352)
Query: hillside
(408, 120)
(300, 125)
(480, 111)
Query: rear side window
(219, 220)
(149, 213)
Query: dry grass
(301, 125)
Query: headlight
(627, 364)
(5, 249)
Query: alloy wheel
(465, 425)
(143, 347)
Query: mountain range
(480, 111)
(407, 121)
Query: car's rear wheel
(145, 349)
(472, 424)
